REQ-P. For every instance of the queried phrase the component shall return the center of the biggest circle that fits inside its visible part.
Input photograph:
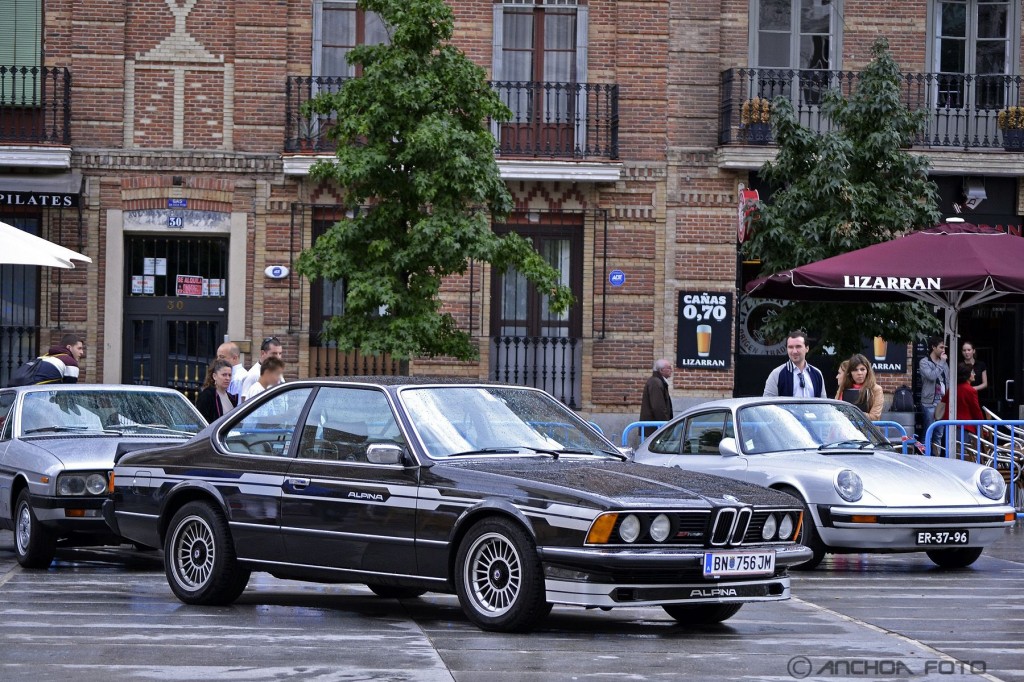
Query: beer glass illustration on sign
(703, 340)
(881, 349)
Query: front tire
(499, 579)
(199, 557)
(955, 558)
(701, 614)
(34, 543)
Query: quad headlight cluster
(631, 528)
(81, 484)
(778, 527)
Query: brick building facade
(174, 128)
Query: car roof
(399, 381)
(734, 403)
(63, 388)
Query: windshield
(473, 420)
(800, 426)
(108, 412)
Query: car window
(269, 428)
(667, 442)
(6, 414)
(343, 421)
(705, 431)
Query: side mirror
(727, 448)
(384, 453)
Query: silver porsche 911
(860, 493)
(57, 449)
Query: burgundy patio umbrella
(954, 265)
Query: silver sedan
(58, 443)
(860, 493)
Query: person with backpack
(58, 366)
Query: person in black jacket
(214, 401)
(656, 403)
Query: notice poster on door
(148, 284)
(149, 266)
(704, 330)
(216, 287)
(136, 285)
(189, 285)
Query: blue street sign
(177, 203)
(616, 278)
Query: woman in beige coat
(859, 387)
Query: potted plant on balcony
(755, 115)
(1011, 122)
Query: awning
(59, 190)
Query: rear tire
(499, 579)
(701, 614)
(808, 536)
(389, 592)
(199, 557)
(34, 543)
(955, 558)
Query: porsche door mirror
(727, 447)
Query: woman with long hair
(214, 401)
(860, 388)
(979, 372)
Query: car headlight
(72, 484)
(849, 486)
(770, 526)
(991, 484)
(786, 526)
(661, 526)
(629, 529)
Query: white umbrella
(21, 248)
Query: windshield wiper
(857, 444)
(58, 429)
(124, 428)
(485, 451)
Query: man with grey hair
(230, 353)
(656, 403)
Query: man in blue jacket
(60, 364)
(797, 378)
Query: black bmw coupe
(498, 494)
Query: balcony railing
(551, 363)
(572, 121)
(962, 109)
(35, 105)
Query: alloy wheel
(494, 573)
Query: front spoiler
(640, 594)
(683, 559)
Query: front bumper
(78, 514)
(896, 528)
(635, 577)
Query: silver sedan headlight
(849, 485)
(991, 484)
(81, 484)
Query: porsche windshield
(90, 411)
(483, 420)
(805, 426)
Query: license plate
(943, 537)
(719, 564)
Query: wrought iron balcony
(35, 105)
(963, 109)
(571, 121)
(551, 363)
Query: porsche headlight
(629, 529)
(661, 526)
(769, 527)
(991, 484)
(786, 526)
(849, 486)
(81, 484)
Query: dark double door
(173, 326)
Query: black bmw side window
(269, 429)
(342, 422)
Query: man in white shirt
(796, 378)
(229, 352)
(270, 348)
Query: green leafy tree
(841, 190)
(415, 160)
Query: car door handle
(297, 483)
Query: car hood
(892, 479)
(627, 483)
(95, 452)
